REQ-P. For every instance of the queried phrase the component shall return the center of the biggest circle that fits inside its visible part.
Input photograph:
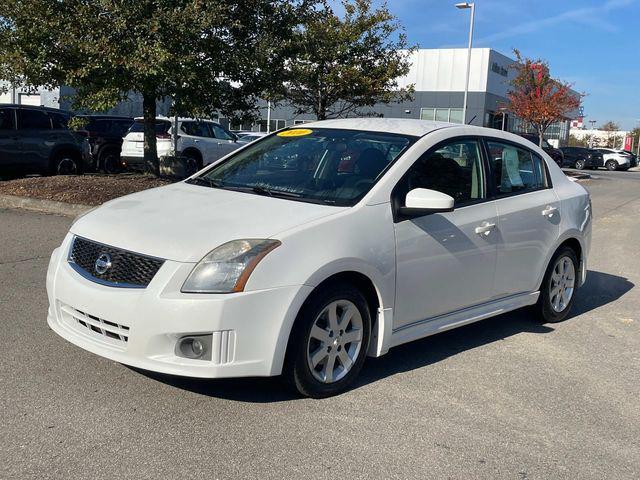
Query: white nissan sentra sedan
(306, 251)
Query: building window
(442, 114)
(427, 113)
(455, 115)
(275, 125)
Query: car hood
(184, 222)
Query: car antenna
(472, 119)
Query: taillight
(163, 136)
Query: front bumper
(140, 327)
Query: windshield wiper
(273, 193)
(262, 191)
(205, 182)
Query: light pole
(592, 122)
(463, 6)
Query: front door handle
(485, 229)
(549, 211)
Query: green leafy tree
(208, 57)
(344, 63)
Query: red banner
(628, 143)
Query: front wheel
(580, 164)
(559, 285)
(329, 342)
(611, 165)
(110, 162)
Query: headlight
(227, 268)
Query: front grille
(111, 332)
(125, 269)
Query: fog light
(195, 346)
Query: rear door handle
(485, 229)
(549, 211)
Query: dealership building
(438, 77)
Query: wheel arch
(362, 280)
(61, 149)
(572, 241)
(196, 153)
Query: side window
(197, 129)
(515, 169)
(219, 132)
(33, 120)
(59, 121)
(454, 168)
(120, 127)
(7, 119)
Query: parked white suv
(615, 159)
(201, 141)
(314, 247)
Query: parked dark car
(553, 152)
(634, 158)
(580, 157)
(105, 134)
(38, 140)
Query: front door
(10, 144)
(528, 216)
(446, 262)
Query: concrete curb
(577, 175)
(44, 206)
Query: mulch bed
(80, 189)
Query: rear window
(162, 126)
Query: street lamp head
(464, 5)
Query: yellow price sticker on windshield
(296, 132)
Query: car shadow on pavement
(599, 289)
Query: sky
(595, 45)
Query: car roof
(104, 117)
(180, 119)
(412, 127)
(403, 126)
(34, 107)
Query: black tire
(192, 163)
(110, 162)
(580, 163)
(544, 306)
(66, 163)
(296, 371)
(611, 165)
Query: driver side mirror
(422, 201)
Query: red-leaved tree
(538, 99)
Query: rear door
(34, 127)
(528, 215)
(10, 144)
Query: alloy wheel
(580, 163)
(335, 341)
(562, 283)
(66, 166)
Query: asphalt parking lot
(504, 398)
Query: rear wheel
(66, 163)
(192, 163)
(559, 285)
(329, 342)
(580, 163)
(611, 165)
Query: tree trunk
(150, 147)
(540, 137)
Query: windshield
(330, 166)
